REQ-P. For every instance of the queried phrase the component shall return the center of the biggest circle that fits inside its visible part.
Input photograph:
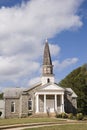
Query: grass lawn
(62, 127)
(27, 120)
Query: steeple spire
(47, 57)
(47, 63)
(47, 70)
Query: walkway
(34, 125)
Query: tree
(77, 80)
(1, 95)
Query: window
(48, 71)
(30, 104)
(48, 80)
(12, 106)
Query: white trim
(62, 103)
(52, 87)
(31, 104)
(44, 79)
(44, 103)
(50, 93)
(13, 103)
(55, 102)
(37, 103)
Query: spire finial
(46, 40)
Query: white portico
(50, 97)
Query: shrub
(64, 115)
(70, 116)
(79, 116)
(58, 115)
(0, 113)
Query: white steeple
(47, 71)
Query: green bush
(64, 115)
(79, 116)
(0, 113)
(58, 115)
(70, 116)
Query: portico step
(42, 115)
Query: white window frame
(13, 103)
(30, 100)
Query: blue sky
(24, 26)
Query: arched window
(48, 80)
(12, 106)
(30, 104)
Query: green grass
(62, 127)
(26, 120)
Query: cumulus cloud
(34, 81)
(11, 68)
(65, 63)
(54, 49)
(23, 30)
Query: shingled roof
(73, 94)
(47, 56)
(13, 92)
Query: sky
(24, 27)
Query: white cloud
(34, 81)
(40, 18)
(54, 49)
(12, 68)
(23, 30)
(65, 63)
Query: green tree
(77, 80)
(1, 95)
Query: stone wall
(70, 104)
(31, 94)
(24, 105)
(8, 113)
(58, 103)
(41, 103)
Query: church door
(50, 103)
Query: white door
(50, 103)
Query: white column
(37, 103)
(44, 103)
(55, 102)
(62, 103)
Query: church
(42, 97)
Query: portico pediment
(52, 87)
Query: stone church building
(42, 97)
